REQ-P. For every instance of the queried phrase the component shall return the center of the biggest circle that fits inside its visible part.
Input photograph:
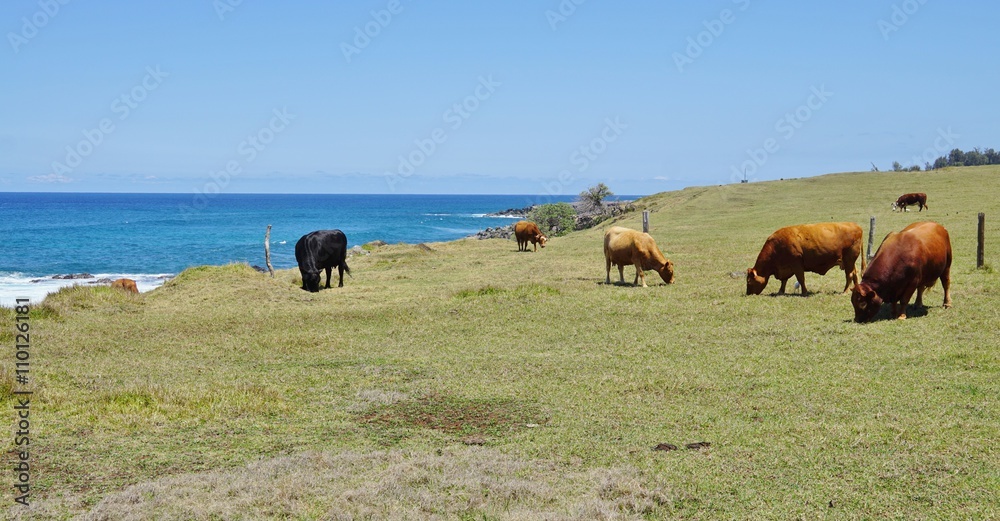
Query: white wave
(15, 285)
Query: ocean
(151, 237)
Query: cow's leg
(919, 304)
(639, 275)
(801, 277)
(904, 300)
(781, 290)
(340, 270)
(851, 275)
(621, 273)
(329, 272)
(526, 246)
(946, 284)
(607, 276)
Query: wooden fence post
(645, 221)
(267, 250)
(871, 239)
(980, 251)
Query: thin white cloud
(51, 178)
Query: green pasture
(465, 380)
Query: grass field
(464, 380)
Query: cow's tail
(347, 268)
(864, 256)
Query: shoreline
(15, 285)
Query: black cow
(319, 250)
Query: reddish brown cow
(126, 284)
(908, 199)
(623, 246)
(525, 231)
(794, 250)
(908, 261)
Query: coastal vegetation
(462, 380)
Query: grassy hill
(465, 380)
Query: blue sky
(543, 97)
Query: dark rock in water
(36, 281)
(72, 276)
(101, 281)
(165, 277)
(512, 212)
(500, 232)
(259, 268)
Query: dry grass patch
(455, 416)
(453, 483)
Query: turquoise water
(148, 237)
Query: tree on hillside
(593, 197)
(554, 219)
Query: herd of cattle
(908, 261)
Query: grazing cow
(794, 250)
(127, 285)
(623, 246)
(908, 261)
(319, 250)
(908, 199)
(526, 231)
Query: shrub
(554, 219)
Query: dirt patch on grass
(455, 416)
(457, 483)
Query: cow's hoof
(947, 305)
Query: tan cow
(128, 285)
(794, 250)
(526, 231)
(623, 246)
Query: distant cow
(526, 231)
(908, 199)
(126, 284)
(794, 250)
(908, 261)
(319, 250)
(623, 246)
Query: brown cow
(794, 250)
(526, 231)
(128, 285)
(908, 261)
(908, 199)
(623, 246)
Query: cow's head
(755, 283)
(310, 281)
(866, 302)
(667, 272)
(541, 240)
